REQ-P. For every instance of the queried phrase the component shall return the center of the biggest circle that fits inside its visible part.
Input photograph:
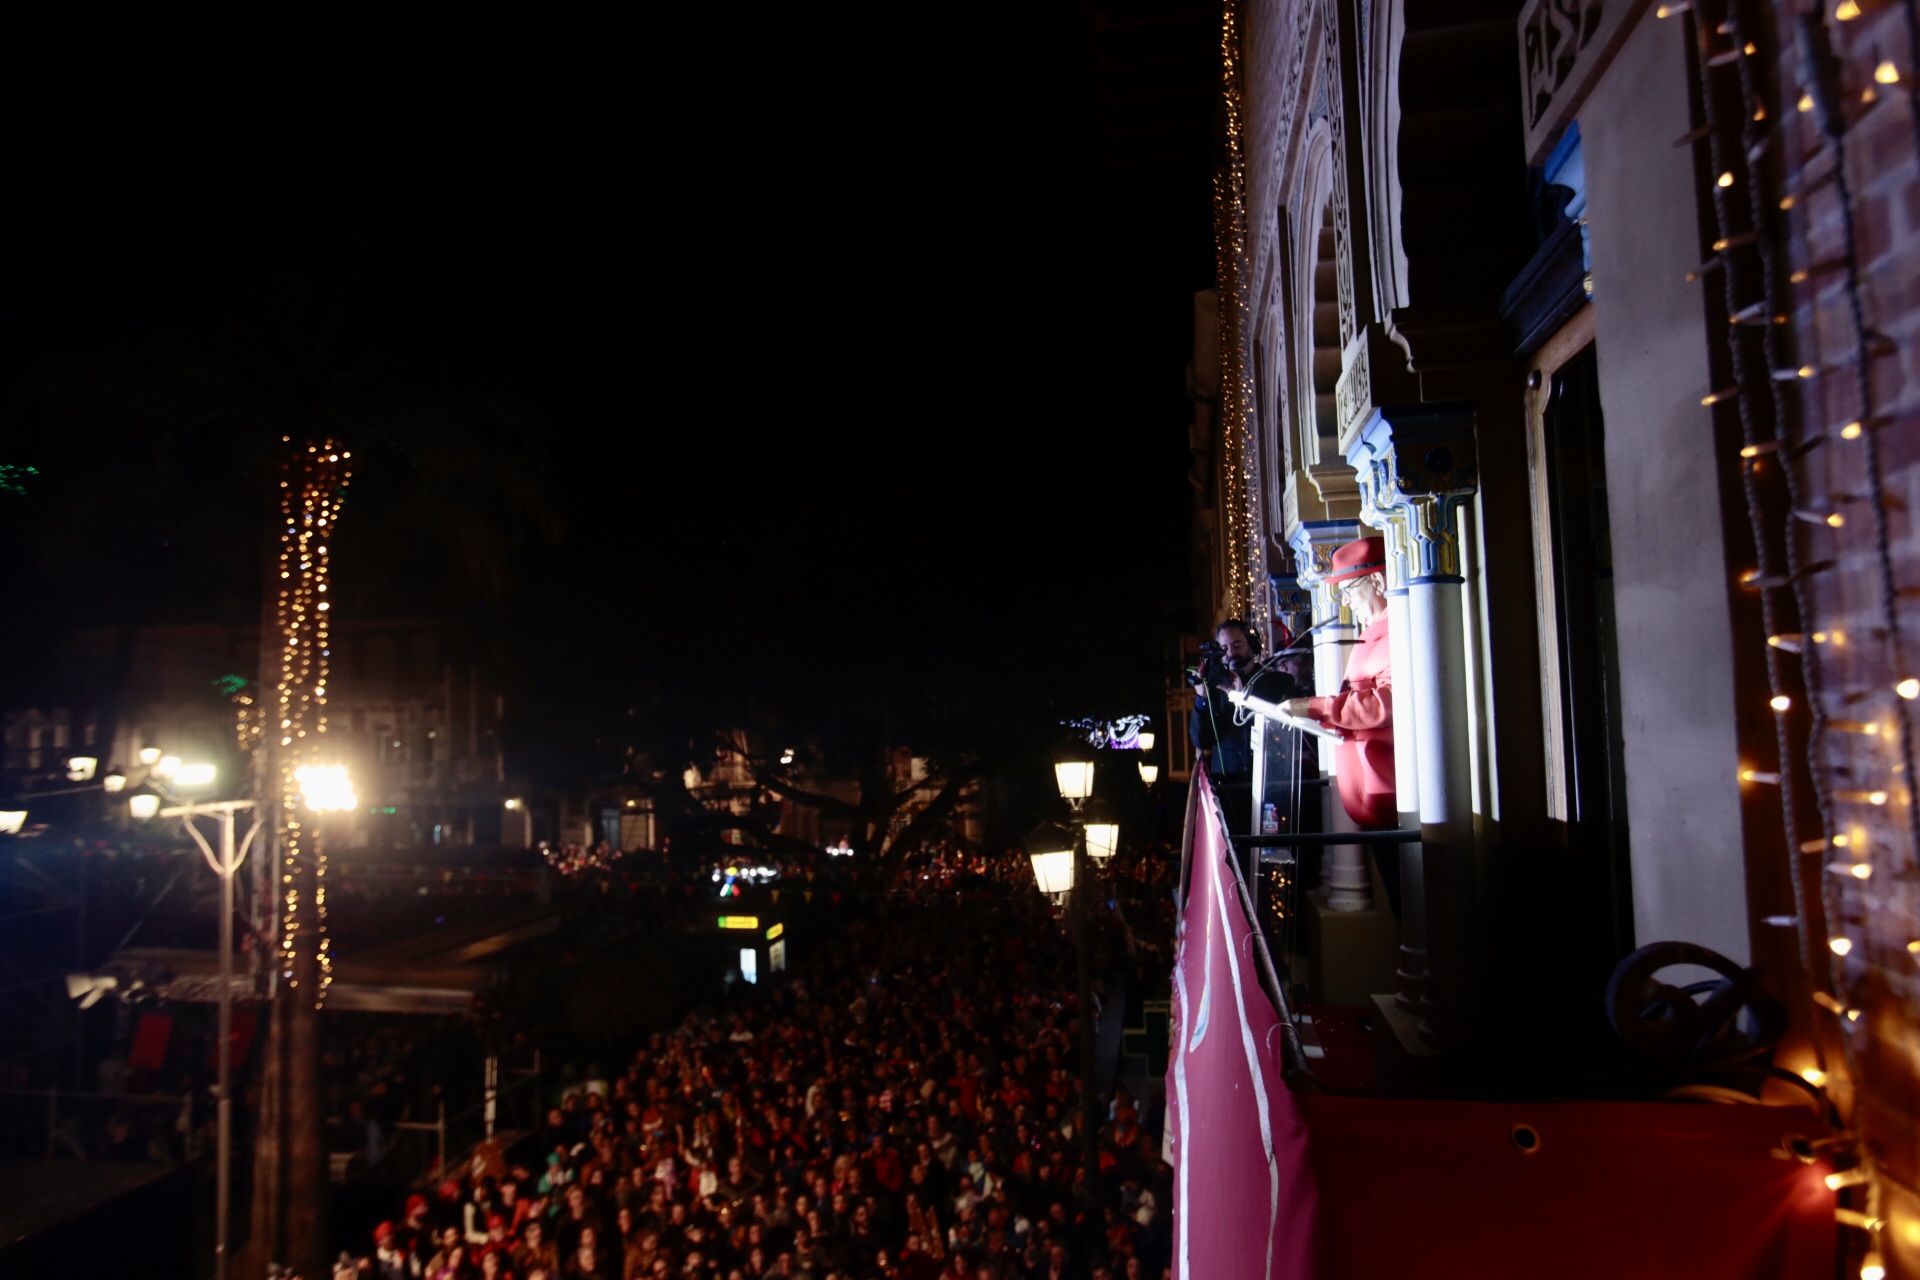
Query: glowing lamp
(166, 766)
(115, 782)
(11, 820)
(1149, 773)
(1073, 771)
(143, 804)
(1144, 739)
(149, 756)
(1103, 832)
(1051, 850)
(325, 788)
(194, 776)
(80, 768)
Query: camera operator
(1231, 662)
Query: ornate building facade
(1600, 313)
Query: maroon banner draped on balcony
(1576, 1190)
(1244, 1198)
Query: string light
(1239, 456)
(312, 492)
(1770, 385)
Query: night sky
(790, 373)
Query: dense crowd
(903, 1105)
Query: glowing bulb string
(1741, 396)
(1821, 95)
(314, 480)
(1820, 81)
(1239, 454)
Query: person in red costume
(1363, 709)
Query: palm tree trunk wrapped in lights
(289, 1186)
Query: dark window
(1584, 623)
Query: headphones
(1254, 643)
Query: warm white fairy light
(311, 494)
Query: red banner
(1579, 1190)
(1244, 1194)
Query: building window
(1580, 659)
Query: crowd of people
(904, 1104)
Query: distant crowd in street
(903, 1105)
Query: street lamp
(1149, 773)
(80, 768)
(143, 804)
(326, 788)
(192, 777)
(1103, 832)
(1073, 772)
(11, 820)
(115, 782)
(1145, 739)
(165, 766)
(1050, 846)
(149, 756)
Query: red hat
(383, 1233)
(495, 1220)
(416, 1203)
(1357, 559)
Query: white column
(1410, 968)
(1436, 657)
(1344, 868)
(1344, 872)
(1415, 469)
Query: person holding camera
(1231, 662)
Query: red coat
(1363, 711)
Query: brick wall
(1878, 1082)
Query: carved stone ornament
(1416, 470)
(1564, 45)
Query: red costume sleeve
(1362, 705)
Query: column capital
(1315, 541)
(1416, 469)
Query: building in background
(417, 725)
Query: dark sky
(840, 364)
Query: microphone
(1297, 640)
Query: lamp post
(1073, 772)
(144, 804)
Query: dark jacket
(1211, 725)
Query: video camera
(1208, 666)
